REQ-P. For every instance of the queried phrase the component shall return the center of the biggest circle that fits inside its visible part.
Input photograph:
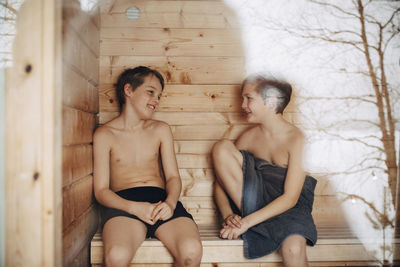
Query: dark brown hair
(135, 77)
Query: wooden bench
(336, 246)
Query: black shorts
(143, 194)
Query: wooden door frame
(33, 141)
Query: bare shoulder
(295, 137)
(244, 140)
(159, 129)
(102, 133)
(159, 126)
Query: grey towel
(263, 182)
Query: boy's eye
(150, 92)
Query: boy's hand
(144, 211)
(233, 220)
(229, 232)
(163, 211)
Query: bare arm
(224, 207)
(101, 173)
(173, 183)
(222, 200)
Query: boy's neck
(129, 119)
(274, 124)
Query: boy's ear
(271, 102)
(128, 89)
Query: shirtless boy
(261, 175)
(129, 183)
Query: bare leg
(182, 239)
(293, 251)
(122, 236)
(228, 162)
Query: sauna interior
(197, 47)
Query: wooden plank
(80, 22)
(193, 146)
(201, 118)
(77, 162)
(169, 14)
(197, 118)
(78, 93)
(207, 132)
(67, 208)
(182, 97)
(327, 210)
(171, 36)
(184, 70)
(194, 161)
(202, 209)
(216, 250)
(170, 42)
(78, 235)
(78, 197)
(33, 139)
(78, 126)
(197, 182)
(146, 48)
(83, 258)
(78, 56)
(83, 197)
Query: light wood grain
(77, 198)
(206, 98)
(169, 14)
(78, 235)
(77, 162)
(207, 132)
(78, 126)
(78, 93)
(146, 48)
(81, 37)
(178, 70)
(33, 139)
(215, 250)
(327, 210)
(171, 36)
(83, 24)
(80, 57)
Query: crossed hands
(232, 227)
(152, 212)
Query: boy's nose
(244, 104)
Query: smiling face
(146, 97)
(253, 104)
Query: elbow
(291, 202)
(98, 193)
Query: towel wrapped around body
(262, 183)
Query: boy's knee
(221, 147)
(294, 251)
(117, 256)
(190, 252)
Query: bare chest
(271, 150)
(134, 150)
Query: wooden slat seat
(336, 246)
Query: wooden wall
(80, 106)
(197, 46)
(33, 138)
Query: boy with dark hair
(261, 189)
(128, 182)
